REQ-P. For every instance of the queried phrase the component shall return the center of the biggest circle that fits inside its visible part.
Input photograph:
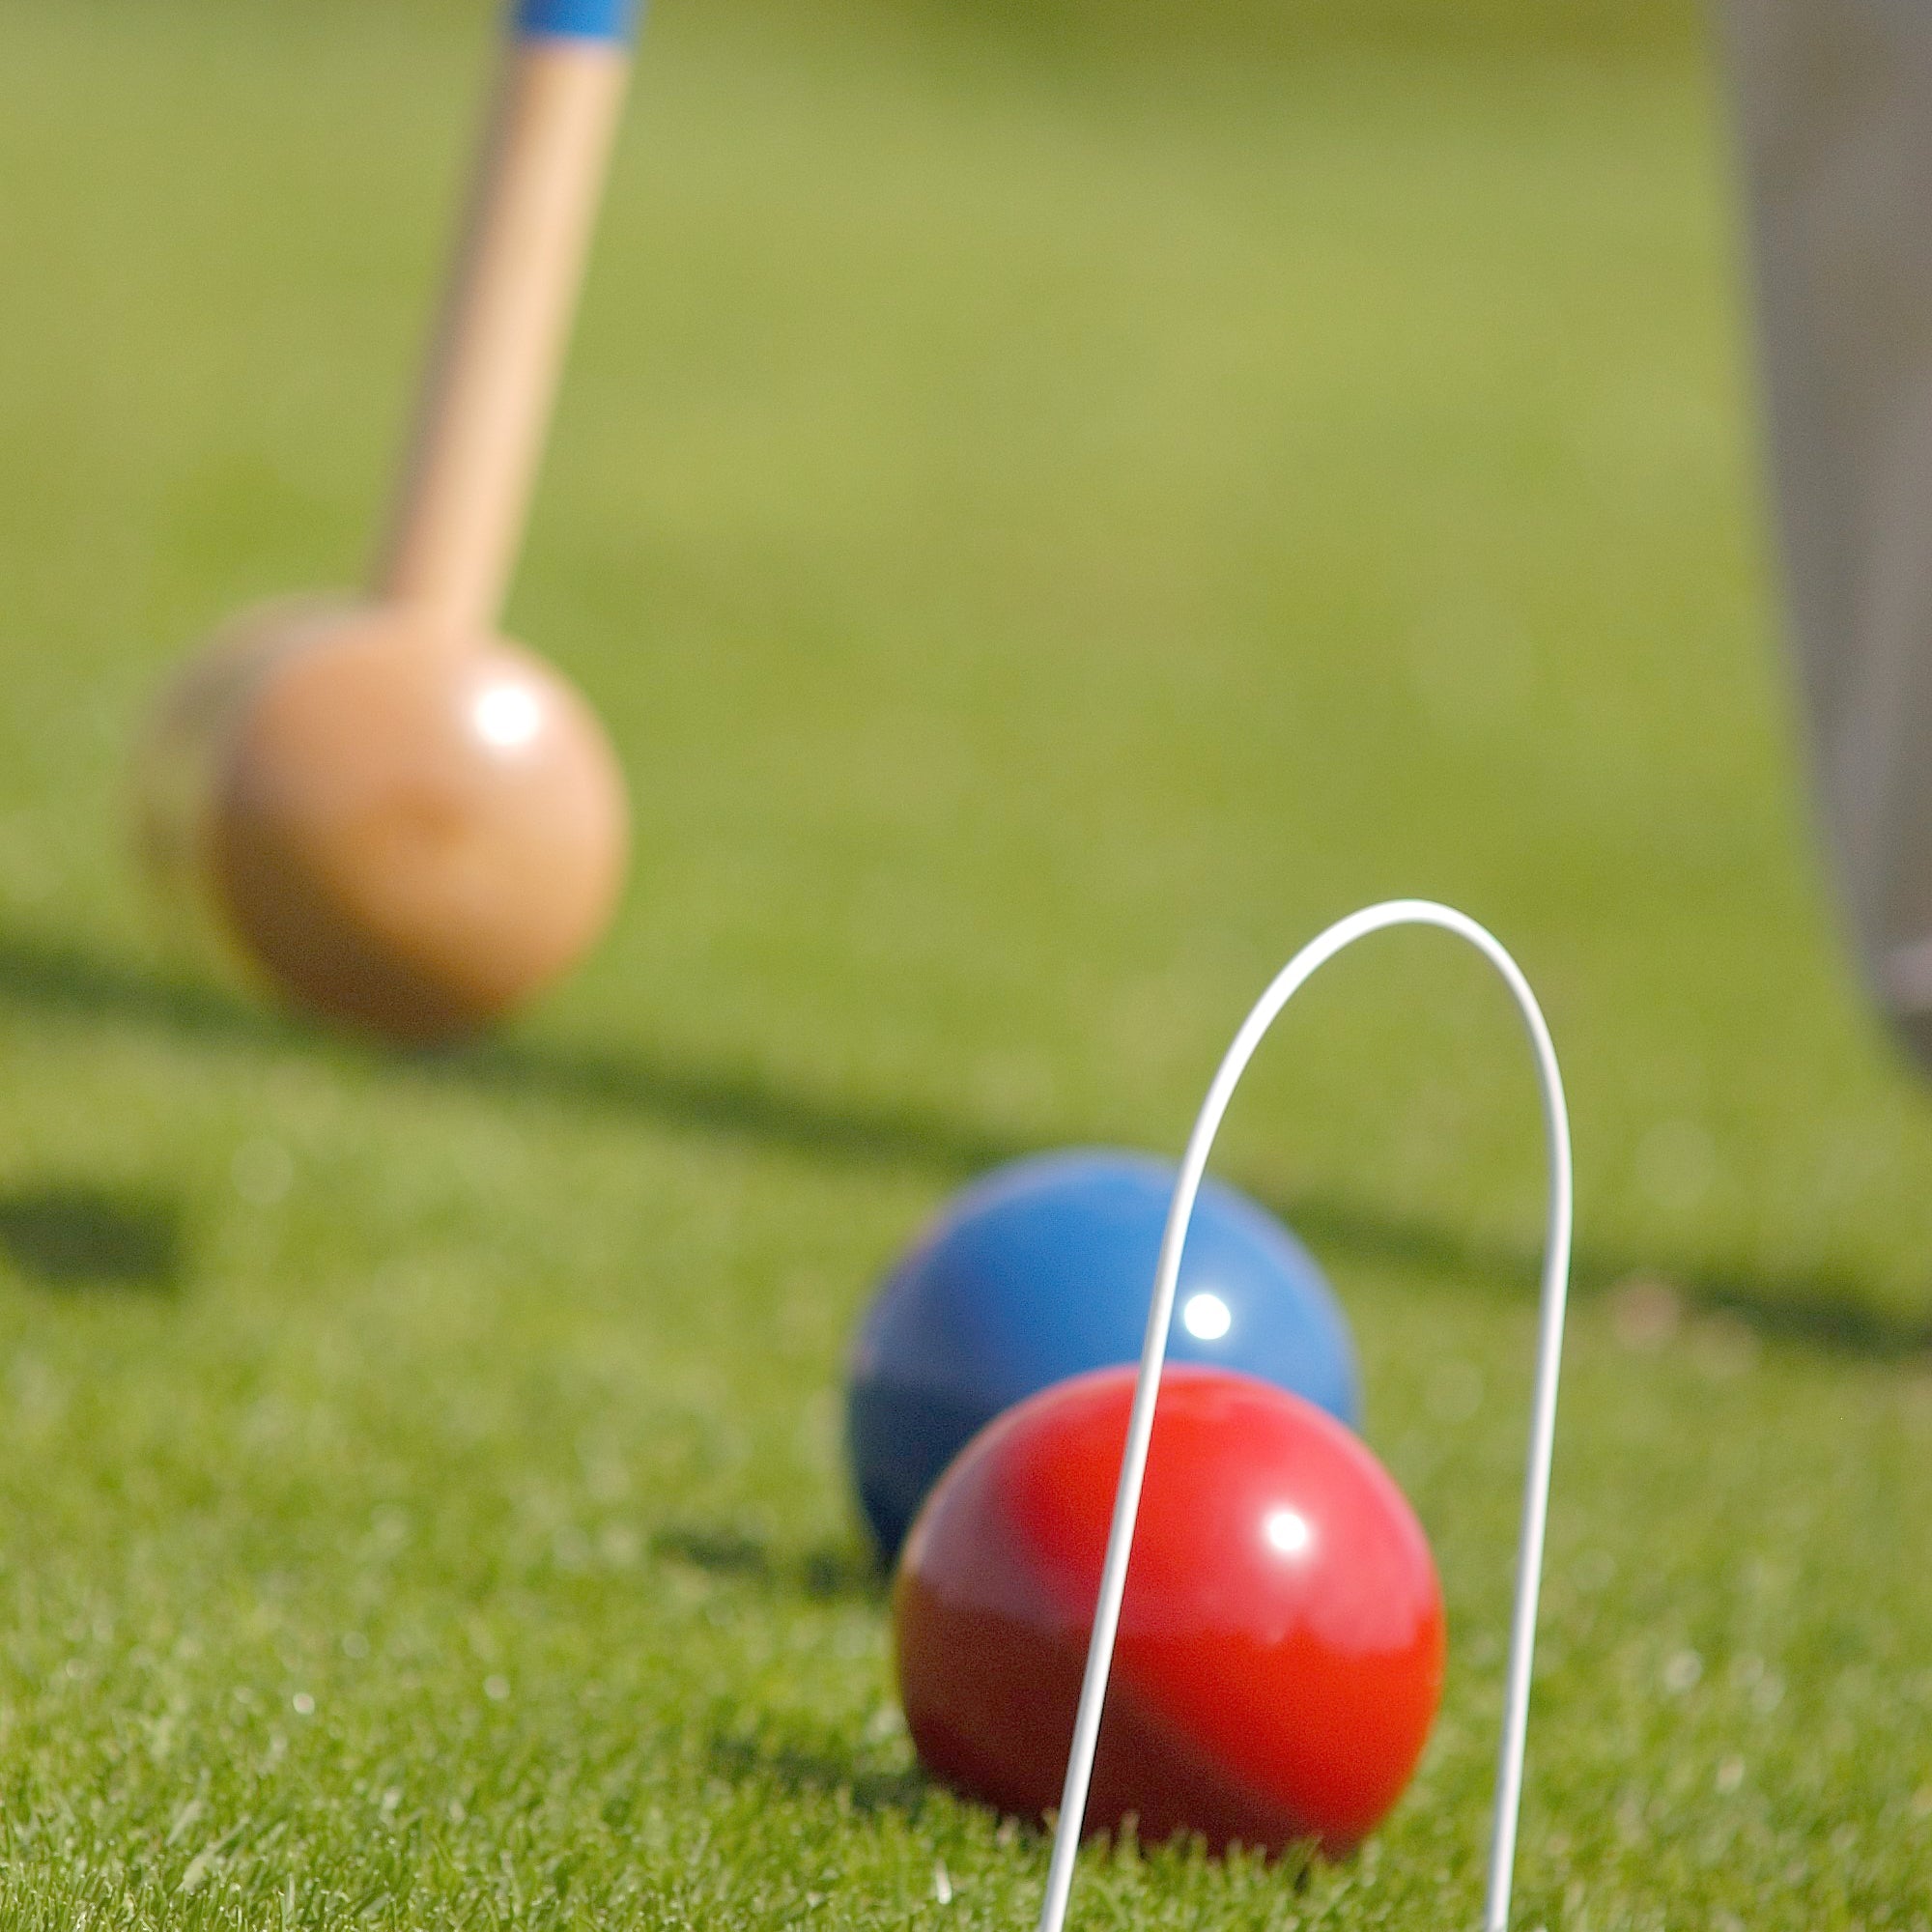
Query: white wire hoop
(1555, 1293)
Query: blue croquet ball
(1044, 1269)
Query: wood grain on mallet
(486, 400)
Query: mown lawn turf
(1046, 534)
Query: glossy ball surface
(1044, 1269)
(413, 834)
(1281, 1644)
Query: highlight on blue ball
(578, 20)
(1044, 1269)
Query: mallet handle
(488, 395)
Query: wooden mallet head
(411, 824)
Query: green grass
(1046, 535)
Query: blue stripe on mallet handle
(488, 396)
(579, 20)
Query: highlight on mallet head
(408, 823)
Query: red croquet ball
(1281, 1645)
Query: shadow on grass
(802, 1766)
(828, 1572)
(84, 1237)
(808, 1768)
(1825, 1312)
(52, 976)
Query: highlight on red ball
(1282, 1642)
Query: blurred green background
(1171, 31)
